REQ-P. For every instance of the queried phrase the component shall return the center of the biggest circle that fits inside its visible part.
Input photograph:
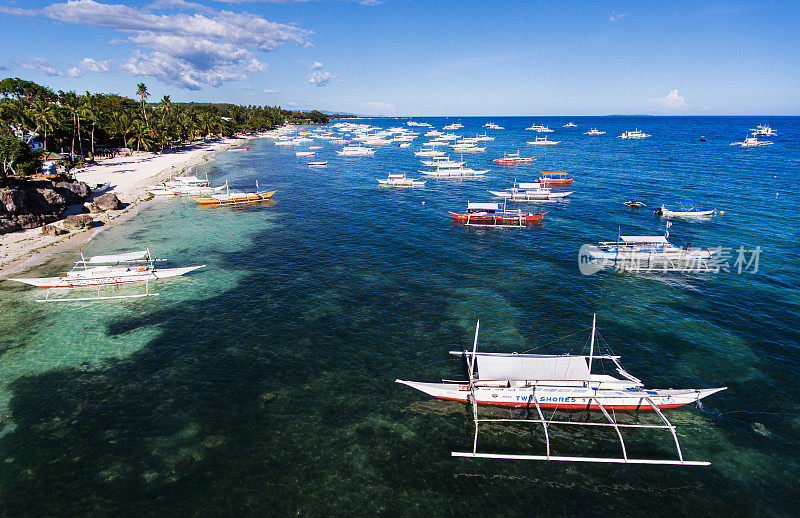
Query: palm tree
(73, 104)
(44, 114)
(120, 125)
(141, 135)
(91, 110)
(166, 107)
(141, 91)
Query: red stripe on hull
(565, 406)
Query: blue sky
(410, 57)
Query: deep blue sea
(263, 384)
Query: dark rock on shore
(107, 201)
(33, 203)
(52, 230)
(78, 221)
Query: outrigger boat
(400, 180)
(542, 141)
(752, 142)
(684, 210)
(102, 271)
(594, 131)
(554, 178)
(184, 186)
(513, 158)
(491, 214)
(561, 383)
(530, 192)
(238, 148)
(634, 135)
(236, 198)
(648, 253)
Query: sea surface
(263, 384)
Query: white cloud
(378, 107)
(90, 65)
(316, 66)
(45, 67)
(616, 17)
(268, 91)
(203, 47)
(672, 102)
(321, 78)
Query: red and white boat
(493, 214)
(513, 158)
(539, 383)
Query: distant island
(66, 129)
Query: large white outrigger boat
(533, 191)
(561, 383)
(104, 271)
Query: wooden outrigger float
(560, 383)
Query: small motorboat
(635, 204)
(702, 138)
(683, 210)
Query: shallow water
(264, 383)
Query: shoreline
(128, 178)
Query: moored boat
(560, 383)
(542, 141)
(554, 178)
(513, 158)
(236, 198)
(634, 135)
(683, 210)
(530, 192)
(492, 214)
(400, 180)
(106, 271)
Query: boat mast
(591, 347)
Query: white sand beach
(128, 178)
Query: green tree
(16, 157)
(44, 114)
(141, 91)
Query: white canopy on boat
(119, 258)
(531, 367)
(482, 206)
(645, 239)
(534, 185)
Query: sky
(418, 57)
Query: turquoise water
(264, 383)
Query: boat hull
(487, 219)
(233, 199)
(109, 278)
(522, 196)
(561, 398)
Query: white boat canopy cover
(482, 206)
(119, 258)
(531, 367)
(644, 239)
(534, 185)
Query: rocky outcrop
(52, 230)
(78, 221)
(33, 203)
(107, 201)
